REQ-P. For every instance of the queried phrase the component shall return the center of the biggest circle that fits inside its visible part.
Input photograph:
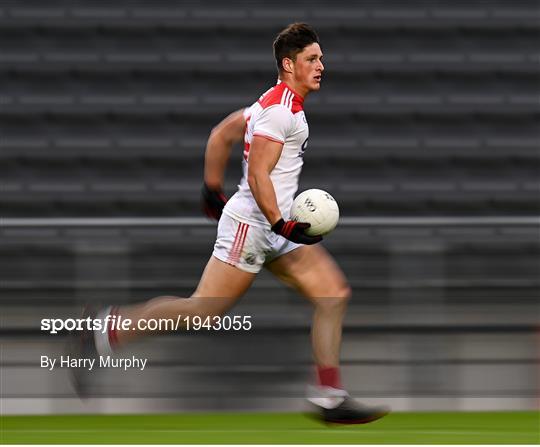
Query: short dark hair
(292, 40)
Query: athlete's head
(299, 57)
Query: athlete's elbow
(252, 181)
(217, 138)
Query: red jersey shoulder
(281, 94)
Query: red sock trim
(111, 330)
(329, 376)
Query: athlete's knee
(336, 299)
(343, 295)
(346, 292)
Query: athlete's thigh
(221, 285)
(310, 270)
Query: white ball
(318, 208)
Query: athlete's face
(308, 68)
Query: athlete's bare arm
(218, 148)
(263, 157)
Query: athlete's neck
(295, 87)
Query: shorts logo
(250, 258)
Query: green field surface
(272, 428)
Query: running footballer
(254, 230)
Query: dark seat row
(159, 202)
(366, 62)
(407, 149)
(405, 107)
(452, 101)
(381, 14)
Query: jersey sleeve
(248, 111)
(275, 123)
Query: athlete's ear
(287, 64)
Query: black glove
(213, 201)
(294, 231)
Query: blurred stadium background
(425, 130)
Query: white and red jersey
(279, 116)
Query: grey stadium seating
(105, 109)
(429, 109)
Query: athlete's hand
(294, 231)
(213, 201)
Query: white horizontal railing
(201, 221)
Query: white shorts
(248, 247)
